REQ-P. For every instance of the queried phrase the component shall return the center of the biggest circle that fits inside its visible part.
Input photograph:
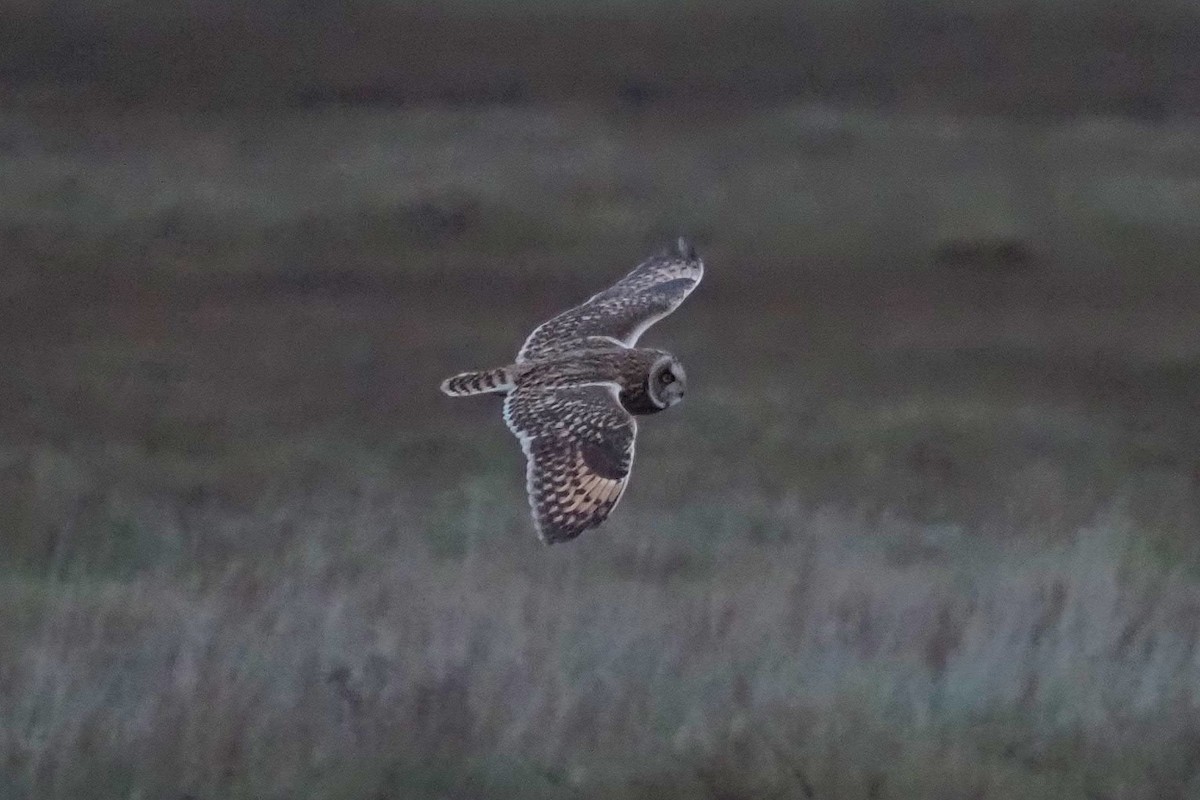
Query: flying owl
(577, 386)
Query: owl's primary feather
(576, 385)
(626, 309)
(579, 445)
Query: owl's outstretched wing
(626, 309)
(578, 443)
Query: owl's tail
(468, 383)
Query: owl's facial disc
(667, 382)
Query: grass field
(925, 527)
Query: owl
(573, 395)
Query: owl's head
(666, 382)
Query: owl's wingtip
(684, 249)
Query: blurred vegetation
(1026, 57)
(924, 528)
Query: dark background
(925, 526)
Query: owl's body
(576, 385)
(628, 367)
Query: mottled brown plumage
(575, 387)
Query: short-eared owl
(577, 383)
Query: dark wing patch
(603, 461)
(626, 309)
(578, 443)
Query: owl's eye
(666, 377)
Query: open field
(925, 526)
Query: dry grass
(357, 662)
